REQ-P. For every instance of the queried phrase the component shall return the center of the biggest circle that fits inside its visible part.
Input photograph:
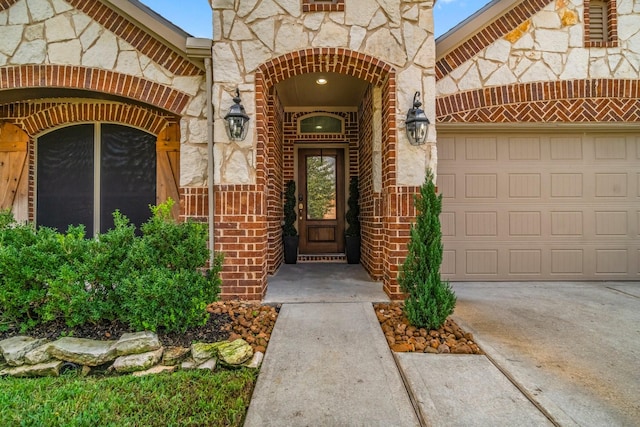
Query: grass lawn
(183, 398)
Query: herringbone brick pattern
(593, 100)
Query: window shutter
(598, 21)
(14, 171)
(168, 167)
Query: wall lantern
(237, 120)
(417, 123)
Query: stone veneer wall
(258, 43)
(536, 64)
(84, 45)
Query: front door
(321, 200)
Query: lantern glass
(417, 123)
(237, 120)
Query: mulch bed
(227, 320)
(403, 337)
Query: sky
(194, 16)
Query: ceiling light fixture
(321, 81)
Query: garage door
(556, 206)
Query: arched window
(321, 123)
(85, 172)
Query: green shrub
(430, 300)
(152, 281)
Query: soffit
(303, 91)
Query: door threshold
(337, 258)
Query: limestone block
(255, 361)
(471, 79)
(137, 362)
(313, 21)
(292, 7)
(14, 349)
(414, 37)
(80, 22)
(446, 86)
(577, 65)
(290, 37)
(90, 35)
(65, 52)
(83, 351)
(158, 369)
(128, 63)
(266, 9)
(34, 32)
(378, 20)
(337, 17)
(4, 59)
(266, 32)
(254, 53)
(237, 168)
(392, 10)
(197, 105)
(537, 72)
(197, 130)
(628, 26)
(625, 70)
(18, 13)
(486, 68)
(599, 68)
(188, 84)
(554, 61)
(356, 37)
(521, 66)
(4, 18)
(360, 12)
(103, 53)
(40, 10)
(10, 40)
(498, 51)
(546, 19)
(156, 73)
(223, 4)
(413, 160)
(330, 35)
(209, 364)
(411, 14)
(50, 369)
(244, 8)
(501, 77)
(240, 31)
(524, 43)
(193, 165)
(223, 54)
(383, 45)
(551, 40)
(33, 52)
(61, 6)
(38, 355)
(137, 342)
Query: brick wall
(592, 100)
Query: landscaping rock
(49, 369)
(14, 349)
(174, 355)
(137, 362)
(201, 352)
(137, 343)
(158, 369)
(83, 351)
(255, 361)
(235, 353)
(188, 364)
(38, 355)
(209, 364)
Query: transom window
(320, 124)
(85, 172)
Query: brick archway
(271, 155)
(94, 80)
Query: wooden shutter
(14, 171)
(168, 167)
(598, 31)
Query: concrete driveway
(572, 348)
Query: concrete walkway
(557, 354)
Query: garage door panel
(548, 207)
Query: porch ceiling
(339, 91)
